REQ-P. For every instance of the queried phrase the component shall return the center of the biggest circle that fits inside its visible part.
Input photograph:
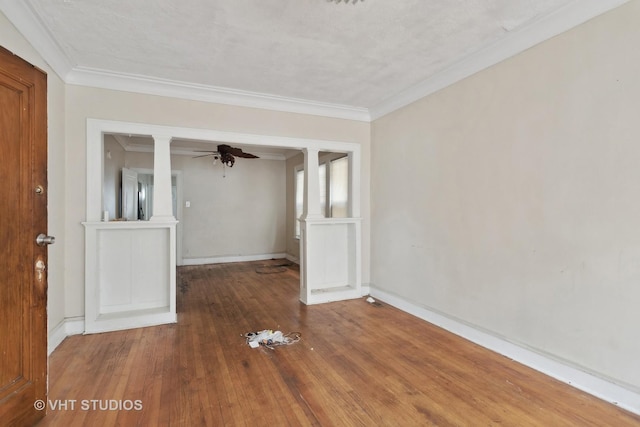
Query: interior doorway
(325, 242)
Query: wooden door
(23, 216)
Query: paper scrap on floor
(270, 338)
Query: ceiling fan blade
(237, 152)
(205, 155)
(247, 155)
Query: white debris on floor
(270, 338)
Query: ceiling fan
(227, 154)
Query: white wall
(83, 103)
(510, 200)
(237, 215)
(12, 40)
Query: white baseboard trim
(578, 378)
(123, 321)
(292, 258)
(224, 259)
(69, 326)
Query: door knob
(43, 239)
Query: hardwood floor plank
(356, 364)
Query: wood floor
(356, 364)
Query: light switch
(187, 204)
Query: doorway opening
(325, 242)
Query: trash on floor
(271, 339)
(372, 301)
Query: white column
(311, 205)
(162, 202)
(354, 184)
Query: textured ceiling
(350, 54)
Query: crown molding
(558, 21)
(83, 76)
(29, 25)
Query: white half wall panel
(130, 275)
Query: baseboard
(69, 326)
(224, 259)
(292, 258)
(132, 320)
(578, 378)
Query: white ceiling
(366, 58)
